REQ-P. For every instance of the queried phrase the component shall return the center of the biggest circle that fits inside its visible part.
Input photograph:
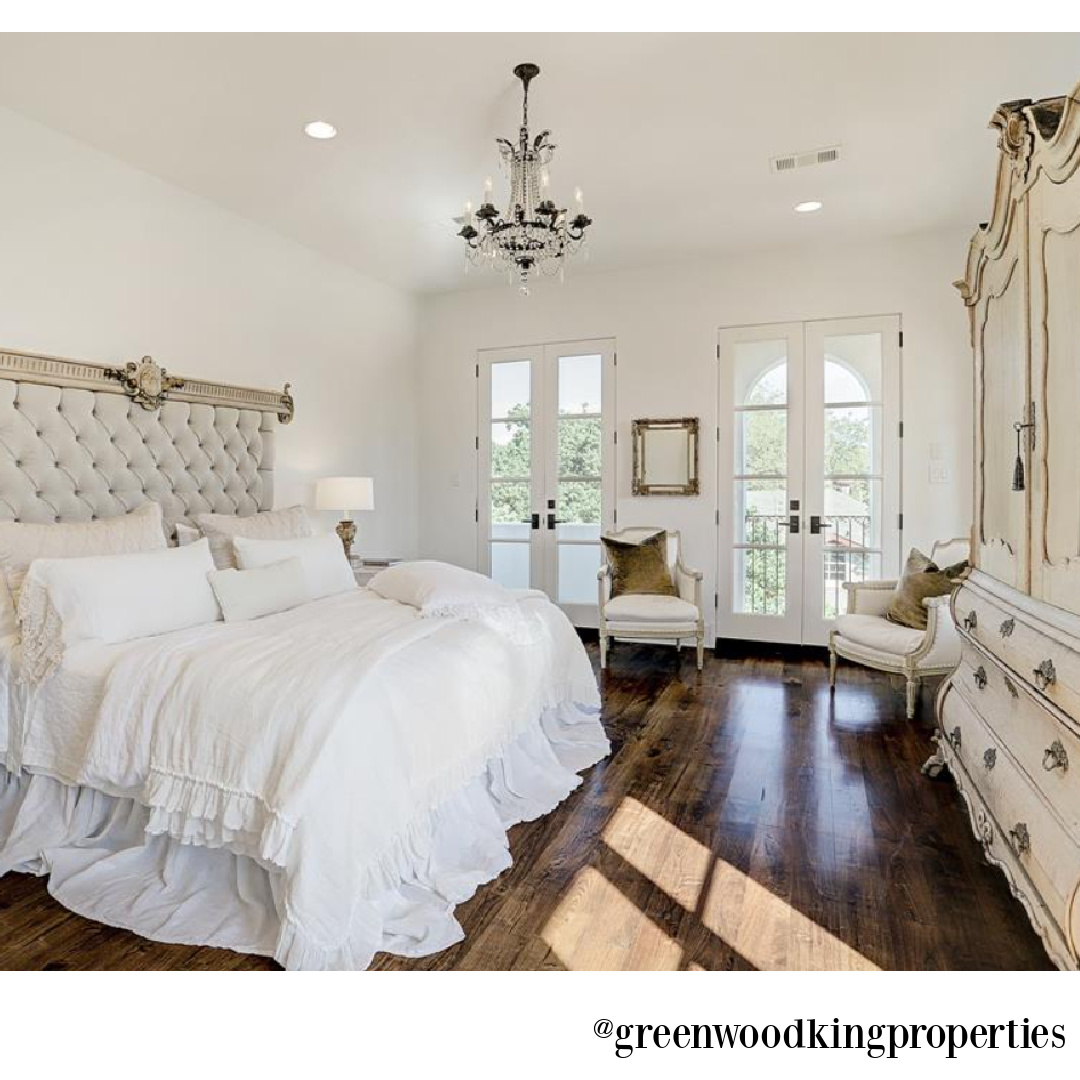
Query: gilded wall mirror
(665, 457)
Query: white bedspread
(320, 742)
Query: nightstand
(365, 569)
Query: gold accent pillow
(639, 568)
(921, 579)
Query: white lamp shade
(345, 493)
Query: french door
(809, 467)
(546, 468)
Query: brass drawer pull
(1007, 627)
(971, 620)
(1055, 757)
(980, 677)
(1045, 675)
(990, 758)
(1021, 837)
(954, 738)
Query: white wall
(101, 262)
(665, 324)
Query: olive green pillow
(639, 568)
(921, 579)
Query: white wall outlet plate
(939, 472)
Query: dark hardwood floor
(744, 820)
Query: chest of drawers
(1010, 738)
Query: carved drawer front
(1044, 747)
(1042, 661)
(1033, 836)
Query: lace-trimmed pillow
(23, 542)
(111, 598)
(292, 523)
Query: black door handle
(534, 521)
(816, 524)
(792, 524)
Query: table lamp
(345, 494)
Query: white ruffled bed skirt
(104, 864)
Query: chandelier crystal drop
(534, 234)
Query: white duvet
(320, 742)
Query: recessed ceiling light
(808, 207)
(320, 129)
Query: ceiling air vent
(790, 162)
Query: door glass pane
(853, 510)
(760, 512)
(760, 586)
(854, 462)
(578, 564)
(760, 505)
(578, 511)
(841, 566)
(580, 381)
(511, 449)
(510, 508)
(510, 389)
(852, 440)
(510, 565)
(579, 461)
(852, 368)
(579, 447)
(761, 442)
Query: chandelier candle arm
(534, 234)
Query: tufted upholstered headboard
(81, 441)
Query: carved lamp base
(347, 531)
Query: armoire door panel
(1055, 270)
(1001, 357)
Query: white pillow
(266, 590)
(327, 570)
(437, 588)
(221, 529)
(112, 598)
(23, 542)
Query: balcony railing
(849, 556)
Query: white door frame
(815, 626)
(803, 621)
(544, 541)
(729, 623)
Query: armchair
(864, 635)
(653, 618)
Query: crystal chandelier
(534, 234)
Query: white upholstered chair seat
(878, 633)
(649, 609)
(863, 634)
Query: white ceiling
(670, 135)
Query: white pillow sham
(265, 590)
(291, 523)
(111, 598)
(23, 542)
(323, 558)
(437, 588)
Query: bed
(317, 785)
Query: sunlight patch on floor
(597, 927)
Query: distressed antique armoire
(1009, 716)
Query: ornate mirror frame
(640, 432)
